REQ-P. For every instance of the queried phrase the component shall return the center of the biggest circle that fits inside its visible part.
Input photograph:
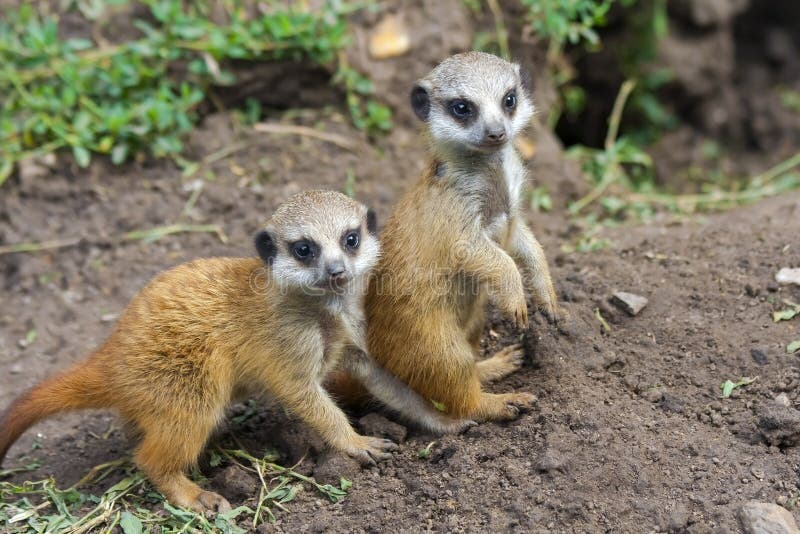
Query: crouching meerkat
(213, 330)
(458, 237)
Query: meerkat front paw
(369, 450)
(515, 308)
(209, 503)
(547, 303)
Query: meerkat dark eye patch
(265, 246)
(372, 222)
(461, 109)
(351, 240)
(420, 102)
(303, 251)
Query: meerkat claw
(210, 503)
(373, 451)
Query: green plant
(615, 161)
(623, 166)
(540, 199)
(132, 504)
(121, 100)
(567, 21)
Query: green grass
(134, 506)
(125, 99)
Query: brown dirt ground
(629, 434)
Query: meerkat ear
(421, 101)
(265, 246)
(525, 79)
(372, 221)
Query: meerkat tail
(79, 387)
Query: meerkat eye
(510, 101)
(461, 109)
(352, 240)
(301, 250)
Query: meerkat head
(319, 242)
(473, 101)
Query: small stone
(235, 484)
(15, 369)
(374, 424)
(389, 39)
(788, 276)
(758, 473)
(759, 356)
(779, 425)
(751, 291)
(766, 518)
(671, 404)
(772, 287)
(783, 400)
(782, 499)
(716, 460)
(628, 302)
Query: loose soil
(629, 434)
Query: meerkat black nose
(496, 135)
(335, 269)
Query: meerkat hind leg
(501, 364)
(166, 450)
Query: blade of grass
(293, 129)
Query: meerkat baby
(207, 332)
(458, 237)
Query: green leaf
(345, 484)
(793, 347)
(30, 336)
(130, 524)
(82, 156)
(728, 386)
(785, 315)
(119, 153)
(6, 167)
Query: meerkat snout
(473, 101)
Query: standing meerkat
(210, 331)
(457, 238)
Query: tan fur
(455, 240)
(201, 334)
